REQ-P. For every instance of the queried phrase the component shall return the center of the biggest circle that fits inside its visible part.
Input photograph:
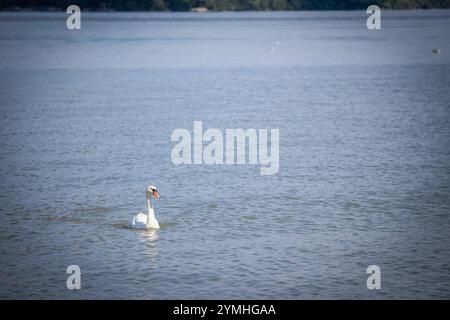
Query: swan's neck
(149, 202)
(151, 211)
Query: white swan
(144, 221)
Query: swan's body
(145, 221)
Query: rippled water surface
(364, 119)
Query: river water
(364, 167)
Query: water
(86, 119)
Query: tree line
(220, 5)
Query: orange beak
(155, 194)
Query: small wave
(166, 225)
(127, 225)
(351, 204)
(69, 218)
(249, 217)
(123, 225)
(93, 209)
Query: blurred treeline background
(219, 5)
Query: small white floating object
(273, 46)
(200, 9)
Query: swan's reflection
(152, 237)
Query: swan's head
(152, 190)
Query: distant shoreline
(202, 6)
(210, 11)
